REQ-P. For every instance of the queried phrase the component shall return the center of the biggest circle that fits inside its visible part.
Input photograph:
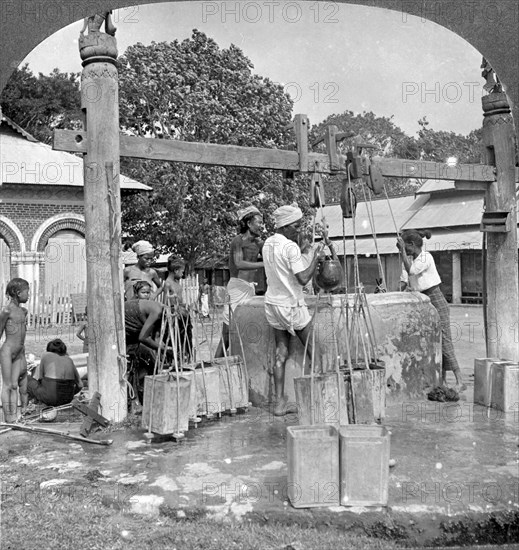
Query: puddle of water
(275, 465)
(135, 444)
(147, 505)
(54, 482)
(126, 479)
(64, 466)
(166, 483)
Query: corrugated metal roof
(423, 212)
(447, 211)
(366, 246)
(403, 208)
(468, 239)
(28, 162)
(16, 128)
(432, 186)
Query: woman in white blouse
(419, 274)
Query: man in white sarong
(285, 309)
(243, 262)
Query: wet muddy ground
(456, 478)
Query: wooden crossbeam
(270, 159)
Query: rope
(124, 372)
(337, 358)
(175, 361)
(397, 232)
(371, 217)
(227, 368)
(353, 420)
(356, 275)
(390, 209)
(312, 321)
(199, 352)
(115, 238)
(344, 262)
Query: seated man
(56, 379)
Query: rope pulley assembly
(375, 180)
(348, 198)
(328, 275)
(316, 198)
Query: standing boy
(13, 320)
(175, 297)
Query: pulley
(316, 198)
(348, 199)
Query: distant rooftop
(24, 160)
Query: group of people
(146, 294)
(289, 265)
(55, 380)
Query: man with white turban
(285, 308)
(243, 264)
(142, 270)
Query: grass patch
(84, 525)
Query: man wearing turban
(243, 263)
(285, 308)
(142, 270)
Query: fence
(190, 290)
(56, 308)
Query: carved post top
(495, 102)
(97, 44)
(493, 84)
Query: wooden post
(502, 311)
(100, 103)
(456, 277)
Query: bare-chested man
(13, 320)
(243, 263)
(56, 378)
(142, 271)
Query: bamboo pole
(66, 435)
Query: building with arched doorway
(42, 225)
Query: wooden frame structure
(102, 147)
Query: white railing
(55, 308)
(49, 308)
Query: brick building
(42, 227)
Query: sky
(329, 57)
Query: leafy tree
(41, 104)
(195, 91)
(440, 145)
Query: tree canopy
(41, 104)
(194, 90)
